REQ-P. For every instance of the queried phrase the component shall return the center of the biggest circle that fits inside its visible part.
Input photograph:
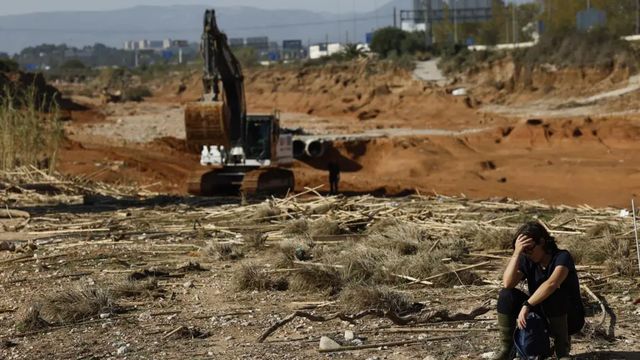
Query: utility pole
(395, 16)
(427, 23)
(637, 16)
(455, 22)
(513, 17)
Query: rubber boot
(506, 328)
(559, 330)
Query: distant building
(293, 50)
(155, 45)
(322, 50)
(236, 42)
(445, 10)
(260, 43)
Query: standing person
(553, 287)
(334, 177)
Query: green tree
(388, 40)
(73, 64)
(352, 51)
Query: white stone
(349, 335)
(429, 357)
(488, 355)
(328, 344)
(105, 316)
(123, 349)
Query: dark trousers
(510, 303)
(334, 186)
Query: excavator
(240, 153)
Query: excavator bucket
(206, 123)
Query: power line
(165, 30)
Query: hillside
(112, 28)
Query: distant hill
(112, 28)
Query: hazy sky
(8, 7)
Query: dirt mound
(366, 95)
(26, 87)
(533, 159)
(507, 82)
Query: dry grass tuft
(252, 277)
(603, 244)
(488, 239)
(265, 213)
(294, 249)
(362, 264)
(128, 288)
(296, 227)
(255, 239)
(401, 237)
(76, 305)
(31, 320)
(224, 251)
(324, 227)
(358, 298)
(317, 279)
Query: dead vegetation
(65, 307)
(358, 298)
(253, 277)
(438, 256)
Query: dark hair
(536, 231)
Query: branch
(434, 316)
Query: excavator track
(269, 181)
(234, 181)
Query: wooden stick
(173, 332)
(458, 270)
(305, 263)
(489, 256)
(426, 330)
(10, 214)
(635, 230)
(412, 279)
(387, 344)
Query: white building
(322, 50)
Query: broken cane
(635, 230)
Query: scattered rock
(188, 284)
(488, 355)
(123, 349)
(368, 115)
(535, 122)
(328, 344)
(349, 335)
(7, 344)
(7, 246)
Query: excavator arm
(220, 65)
(239, 151)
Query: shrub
(137, 93)
(30, 130)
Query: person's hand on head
(523, 243)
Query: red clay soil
(561, 161)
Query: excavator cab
(258, 137)
(239, 152)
